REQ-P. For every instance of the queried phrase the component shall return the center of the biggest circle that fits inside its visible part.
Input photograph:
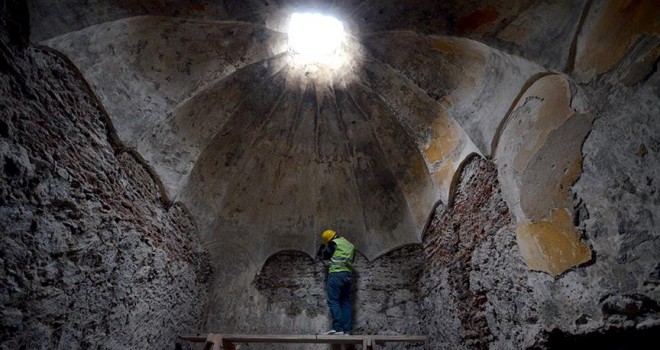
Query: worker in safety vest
(340, 254)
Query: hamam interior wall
(91, 257)
(527, 134)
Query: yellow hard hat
(327, 235)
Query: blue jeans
(339, 301)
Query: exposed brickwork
(292, 279)
(386, 292)
(89, 255)
(477, 212)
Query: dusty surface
(89, 255)
(477, 292)
(453, 310)
(290, 292)
(539, 158)
(556, 230)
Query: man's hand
(319, 252)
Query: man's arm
(325, 252)
(319, 252)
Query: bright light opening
(315, 38)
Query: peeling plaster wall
(477, 292)
(616, 32)
(539, 158)
(519, 81)
(475, 276)
(471, 83)
(454, 314)
(89, 255)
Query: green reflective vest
(342, 259)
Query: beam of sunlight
(316, 39)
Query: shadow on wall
(620, 339)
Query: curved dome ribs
(338, 192)
(267, 206)
(255, 147)
(346, 174)
(403, 158)
(203, 122)
(190, 127)
(221, 161)
(152, 91)
(387, 217)
(276, 210)
(473, 83)
(439, 139)
(138, 75)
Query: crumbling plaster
(438, 97)
(90, 257)
(564, 105)
(539, 158)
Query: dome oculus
(315, 38)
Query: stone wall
(453, 308)
(89, 255)
(476, 290)
(618, 200)
(290, 294)
(387, 293)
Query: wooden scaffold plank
(227, 341)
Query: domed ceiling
(266, 153)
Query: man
(340, 253)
